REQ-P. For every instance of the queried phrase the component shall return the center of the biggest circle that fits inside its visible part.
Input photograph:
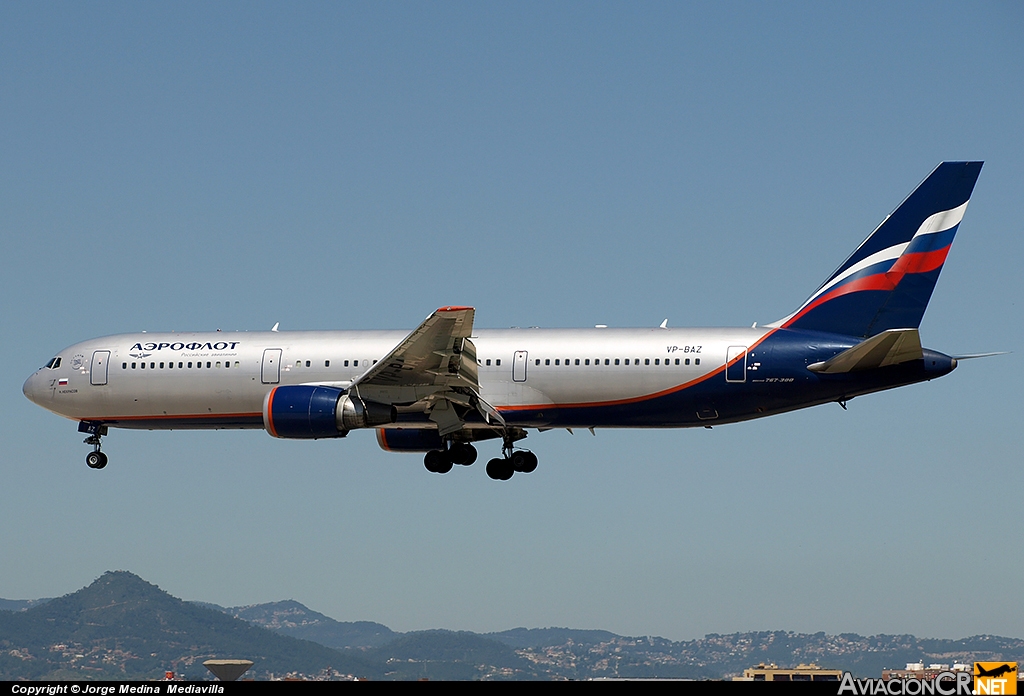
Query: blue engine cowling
(302, 412)
(311, 412)
(408, 439)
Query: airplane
(999, 671)
(446, 385)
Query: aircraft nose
(30, 388)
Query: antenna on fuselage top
(663, 325)
(275, 326)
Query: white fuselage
(218, 380)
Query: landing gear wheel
(437, 462)
(524, 461)
(462, 453)
(500, 469)
(96, 460)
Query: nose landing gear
(95, 459)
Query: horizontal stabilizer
(887, 348)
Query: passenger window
(307, 363)
(556, 361)
(236, 364)
(124, 366)
(374, 362)
(143, 366)
(488, 361)
(577, 361)
(657, 361)
(161, 366)
(606, 361)
(686, 362)
(647, 361)
(346, 363)
(627, 361)
(547, 361)
(207, 364)
(696, 361)
(616, 361)
(327, 363)
(152, 366)
(537, 362)
(190, 365)
(170, 366)
(498, 361)
(587, 361)
(180, 364)
(133, 366)
(677, 361)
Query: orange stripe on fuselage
(638, 399)
(169, 416)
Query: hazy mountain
(21, 604)
(540, 637)
(453, 655)
(121, 627)
(296, 620)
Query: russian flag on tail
(887, 282)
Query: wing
(435, 367)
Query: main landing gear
(442, 461)
(95, 459)
(501, 469)
(464, 454)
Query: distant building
(918, 670)
(772, 672)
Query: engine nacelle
(310, 412)
(409, 439)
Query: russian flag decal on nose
(62, 382)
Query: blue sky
(188, 166)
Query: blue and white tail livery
(887, 282)
(446, 385)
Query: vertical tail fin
(887, 282)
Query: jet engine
(311, 412)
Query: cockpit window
(54, 363)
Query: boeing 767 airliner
(447, 385)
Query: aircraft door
(98, 369)
(736, 364)
(271, 372)
(519, 366)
